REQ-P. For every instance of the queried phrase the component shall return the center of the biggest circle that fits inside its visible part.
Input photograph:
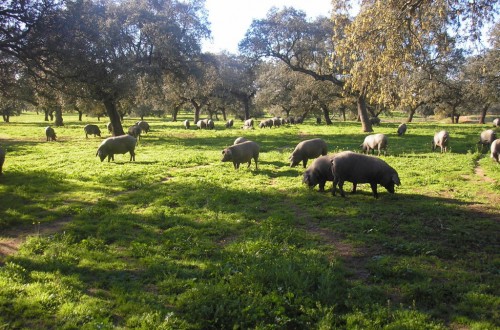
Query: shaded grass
(180, 240)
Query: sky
(230, 19)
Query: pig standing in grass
(495, 150)
(201, 124)
(375, 141)
(402, 129)
(441, 139)
(187, 124)
(319, 172)
(496, 122)
(359, 168)
(50, 133)
(210, 124)
(2, 159)
(308, 149)
(135, 131)
(487, 137)
(117, 145)
(229, 123)
(144, 126)
(91, 130)
(241, 153)
(240, 140)
(248, 123)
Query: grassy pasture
(180, 240)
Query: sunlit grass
(180, 240)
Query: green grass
(180, 240)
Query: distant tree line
(144, 58)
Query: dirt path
(11, 239)
(354, 258)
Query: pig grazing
(319, 172)
(229, 123)
(487, 137)
(496, 122)
(402, 129)
(360, 168)
(306, 150)
(495, 151)
(240, 140)
(144, 126)
(375, 141)
(241, 153)
(135, 131)
(50, 133)
(201, 124)
(441, 139)
(266, 123)
(248, 123)
(91, 130)
(210, 124)
(117, 145)
(2, 159)
(186, 124)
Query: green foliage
(180, 240)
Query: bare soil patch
(11, 239)
(354, 258)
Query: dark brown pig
(308, 149)
(241, 153)
(360, 168)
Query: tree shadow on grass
(24, 197)
(211, 249)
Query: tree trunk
(223, 111)
(197, 109)
(482, 117)
(114, 116)
(80, 115)
(6, 117)
(303, 116)
(175, 112)
(342, 111)
(326, 114)
(246, 104)
(59, 118)
(46, 114)
(366, 125)
(411, 114)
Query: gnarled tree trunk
(482, 117)
(366, 125)
(114, 116)
(326, 114)
(59, 118)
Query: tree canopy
(141, 57)
(371, 54)
(98, 49)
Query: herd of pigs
(339, 167)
